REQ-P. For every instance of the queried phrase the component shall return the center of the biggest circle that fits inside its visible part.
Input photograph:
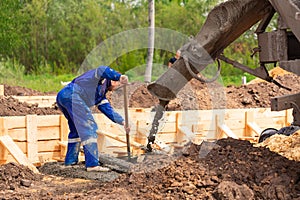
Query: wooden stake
(3, 150)
(31, 136)
(64, 129)
(1, 90)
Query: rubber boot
(91, 154)
(72, 153)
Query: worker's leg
(65, 104)
(73, 145)
(86, 127)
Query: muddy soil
(226, 169)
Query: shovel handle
(126, 119)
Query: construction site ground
(224, 169)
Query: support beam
(222, 128)
(225, 129)
(251, 126)
(64, 129)
(3, 150)
(1, 90)
(16, 152)
(32, 138)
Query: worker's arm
(108, 111)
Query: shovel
(126, 120)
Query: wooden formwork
(33, 139)
(42, 101)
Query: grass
(11, 74)
(43, 83)
(14, 75)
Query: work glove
(124, 79)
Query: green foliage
(54, 37)
(13, 74)
(10, 22)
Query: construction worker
(173, 59)
(75, 100)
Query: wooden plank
(48, 133)
(44, 133)
(3, 131)
(3, 126)
(43, 146)
(120, 139)
(144, 127)
(42, 101)
(31, 136)
(30, 98)
(64, 128)
(289, 117)
(15, 122)
(46, 156)
(255, 128)
(17, 134)
(16, 152)
(166, 137)
(167, 128)
(1, 90)
(48, 145)
(48, 120)
(3, 154)
(184, 133)
(224, 128)
(141, 135)
(270, 122)
(195, 116)
(267, 113)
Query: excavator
(224, 24)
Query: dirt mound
(194, 96)
(14, 176)
(287, 146)
(22, 91)
(199, 96)
(274, 73)
(10, 106)
(231, 169)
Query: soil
(194, 96)
(224, 169)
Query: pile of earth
(225, 169)
(194, 96)
(287, 146)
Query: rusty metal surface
(288, 10)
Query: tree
(11, 23)
(151, 14)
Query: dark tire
(288, 130)
(267, 133)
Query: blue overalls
(75, 101)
